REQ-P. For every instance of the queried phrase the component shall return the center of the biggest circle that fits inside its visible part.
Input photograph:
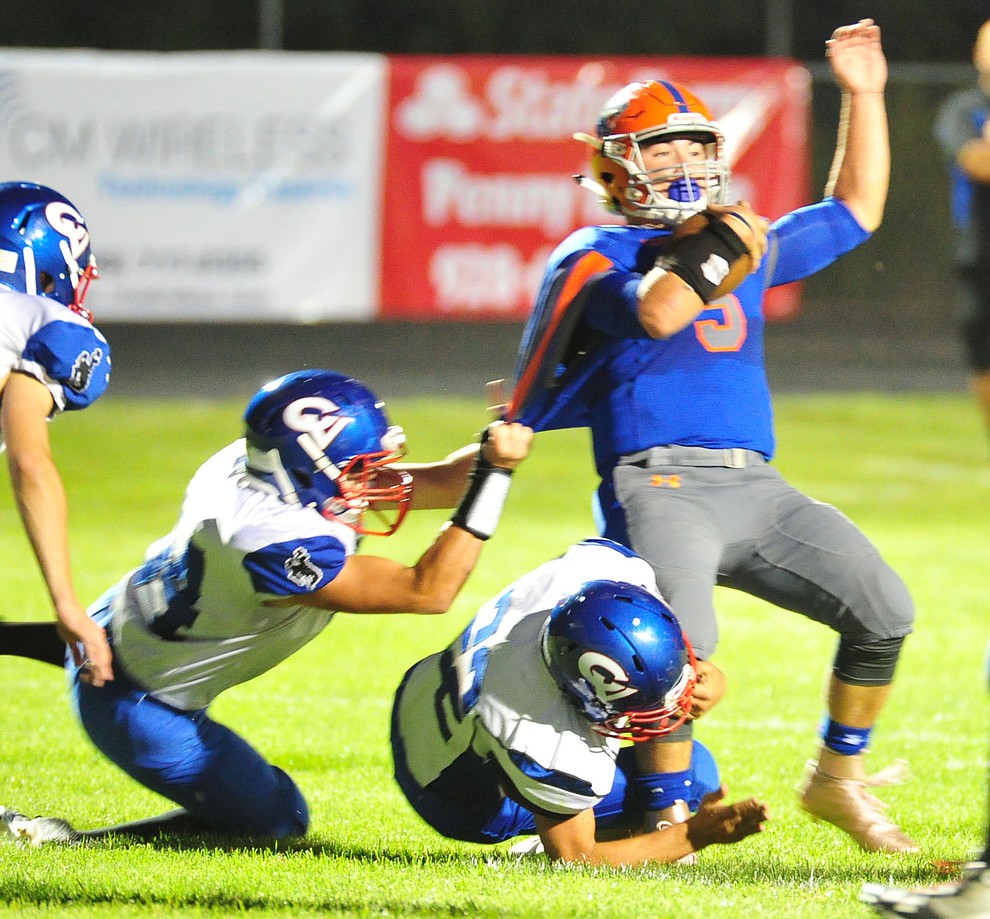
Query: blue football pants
(204, 767)
(620, 807)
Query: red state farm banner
(480, 164)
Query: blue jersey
(704, 386)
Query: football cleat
(845, 803)
(37, 831)
(965, 899)
(527, 845)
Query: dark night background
(881, 318)
(915, 30)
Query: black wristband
(481, 506)
(703, 259)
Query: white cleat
(527, 845)
(846, 803)
(38, 831)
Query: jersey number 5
(727, 333)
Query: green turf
(913, 471)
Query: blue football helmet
(321, 439)
(44, 245)
(618, 651)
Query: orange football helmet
(646, 112)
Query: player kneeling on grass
(262, 556)
(518, 726)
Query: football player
(52, 360)
(634, 336)
(962, 130)
(262, 556)
(518, 727)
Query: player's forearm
(666, 304)
(659, 847)
(441, 572)
(440, 484)
(438, 576)
(42, 505)
(860, 175)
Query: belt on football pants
(677, 455)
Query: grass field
(913, 471)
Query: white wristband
(481, 507)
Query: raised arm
(860, 173)
(24, 408)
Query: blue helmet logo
(321, 439)
(44, 245)
(618, 651)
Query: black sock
(38, 641)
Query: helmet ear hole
(46, 283)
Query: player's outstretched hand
(88, 644)
(506, 443)
(857, 57)
(716, 822)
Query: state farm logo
(441, 103)
(516, 103)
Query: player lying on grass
(261, 557)
(518, 726)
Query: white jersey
(193, 621)
(489, 696)
(41, 337)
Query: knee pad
(867, 663)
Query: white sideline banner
(226, 187)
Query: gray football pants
(749, 530)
